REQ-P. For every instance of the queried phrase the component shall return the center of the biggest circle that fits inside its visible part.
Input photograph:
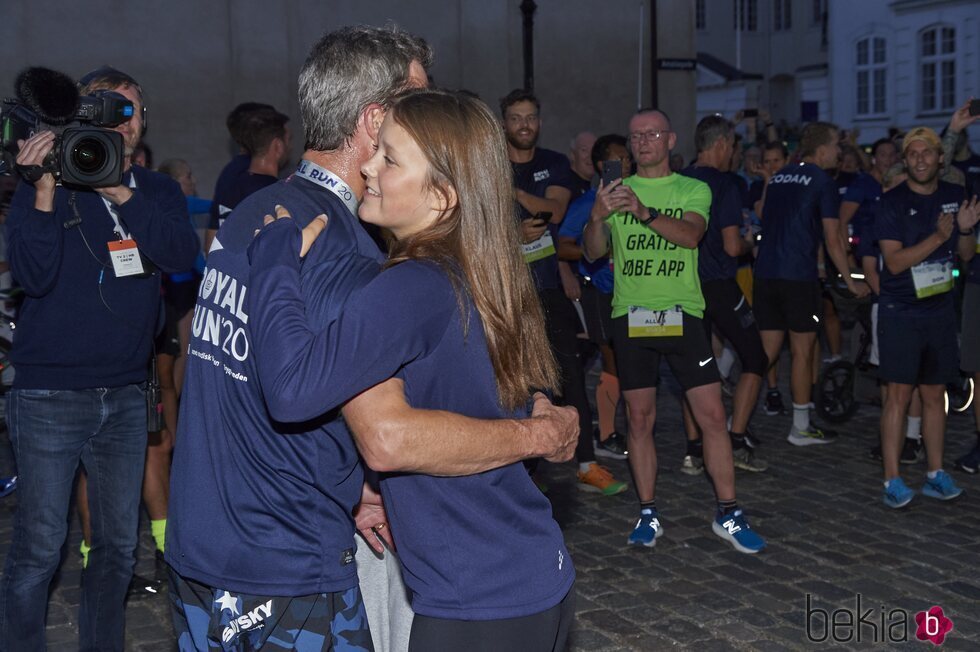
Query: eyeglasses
(648, 136)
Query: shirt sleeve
(573, 226)
(727, 205)
(699, 200)
(561, 173)
(398, 317)
(829, 200)
(856, 192)
(888, 221)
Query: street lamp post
(527, 9)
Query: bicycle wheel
(835, 399)
(959, 395)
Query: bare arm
(838, 254)
(966, 222)
(899, 258)
(568, 249)
(393, 436)
(555, 201)
(847, 211)
(870, 266)
(735, 245)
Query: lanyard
(324, 177)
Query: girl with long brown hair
(454, 315)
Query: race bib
(540, 248)
(656, 323)
(932, 278)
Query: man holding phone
(655, 220)
(543, 182)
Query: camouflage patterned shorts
(214, 619)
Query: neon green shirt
(651, 272)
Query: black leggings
(563, 324)
(542, 632)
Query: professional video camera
(85, 152)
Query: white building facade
(902, 63)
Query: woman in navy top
(456, 318)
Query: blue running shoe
(734, 529)
(647, 530)
(897, 494)
(941, 487)
(8, 485)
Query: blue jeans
(51, 430)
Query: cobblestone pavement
(819, 507)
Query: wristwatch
(654, 214)
(966, 232)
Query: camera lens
(89, 155)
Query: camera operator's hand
(32, 153)
(118, 195)
(961, 118)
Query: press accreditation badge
(125, 258)
(932, 278)
(656, 323)
(540, 248)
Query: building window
(871, 68)
(700, 18)
(746, 15)
(937, 68)
(782, 16)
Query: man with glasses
(655, 220)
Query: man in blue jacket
(89, 261)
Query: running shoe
(745, 459)
(692, 465)
(912, 451)
(897, 494)
(941, 487)
(143, 587)
(734, 529)
(614, 447)
(647, 530)
(810, 437)
(750, 439)
(774, 403)
(598, 479)
(970, 463)
(8, 485)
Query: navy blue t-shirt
(909, 218)
(866, 192)
(223, 186)
(477, 547)
(546, 168)
(599, 271)
(798, 199)
(726, 210)
(258, 506)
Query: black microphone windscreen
(49, 93)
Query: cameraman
(83, 344)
